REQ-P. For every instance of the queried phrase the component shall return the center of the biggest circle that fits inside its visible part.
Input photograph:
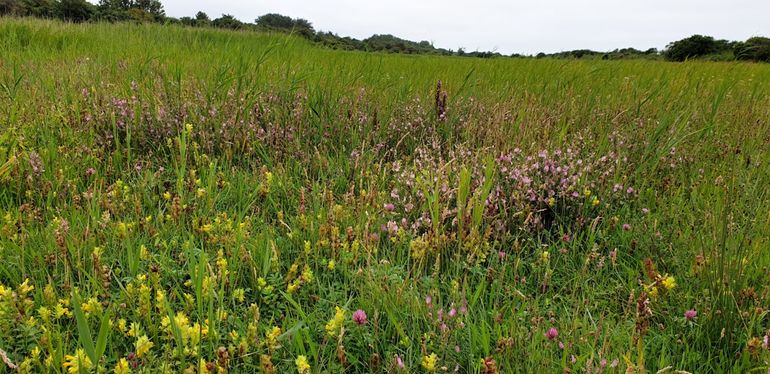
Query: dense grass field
(188, 200)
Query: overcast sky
(511, 26)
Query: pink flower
(359, 317)
(690, 314)
(452, 312)
(626, 227)
(428, 300)
(389, 207)
(552, 333)
(90, 171)
(501, 254)
(399, 362)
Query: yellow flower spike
(654, 292)
(122, 325)
(429, 362)
(669, 282)
(74, 364)
(143, 346)
(44, 313)
(335, 324)
(302, 365)
(122, 367)
(272, 337)
(188, 127)
(25, 288)
(239, 294)
(331, 265)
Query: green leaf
(84, 332)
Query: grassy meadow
(204, 201)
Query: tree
(304, 27)
(202, 19)
(753, 49)
(275, 21)
(10, 7)
(227, 21)
(41, 8)
(694, 46)
(76, 10)
(137, 10)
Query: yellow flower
(122, 323)
(302, 366)
(332, 265)
(654, 292)
(595, 201)
(669, 282)
(587, 192)
(44, 313)
(122, 367)
(335, 324)
(551, 202)
(143, 345)
(545, 256)
(239, 294)
(188, 127)
(75, 363)
(35, 353)
(135, 330)
(25, 288)
(60, 311)
(272, 337)
(429, 362)
(307, 274)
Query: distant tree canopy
(274, 21)
(131, 10)
(696, 46)
(227, 21)
(753, 49)
(693, 47)
(76, 10)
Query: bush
(754, 49)
(696, 46)
(76, 10)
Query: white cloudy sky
(514, 25)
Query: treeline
(698, 47)
(694, 47)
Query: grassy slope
(708, 201)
